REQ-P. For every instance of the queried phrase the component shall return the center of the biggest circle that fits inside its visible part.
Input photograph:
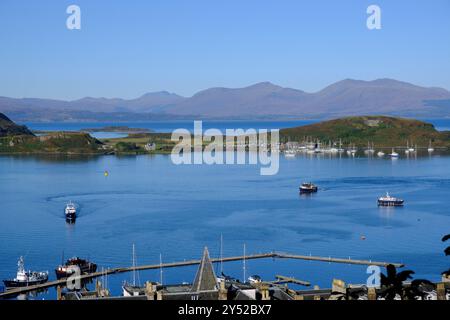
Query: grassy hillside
(58, 142)
(382, 131)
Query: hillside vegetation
(58, 142)
(382, 131)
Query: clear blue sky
(127, 48)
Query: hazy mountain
(262, 100)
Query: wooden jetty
(63, 282)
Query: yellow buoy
(106, 173)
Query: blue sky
(128, 48)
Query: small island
(381, 131)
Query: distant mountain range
(260, 101)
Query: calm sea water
(165, 126)
(177, 210)
(169, 126)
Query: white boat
(430, 147)
(394, 154)
(133, 289)
(70, 210)
(289, 154)
(26, 278)
(389, 201)
(370, 149)
(353, 150)
(381, 154)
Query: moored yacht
(389, 201)
(380, 154)
(394, 154)
(430, 147)
(26, 278)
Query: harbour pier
(274, 255)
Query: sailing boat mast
(221, 253)
(160, 269)
(244, 265)
(134, 266)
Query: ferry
(70, 211)
(389, 201)
(308, 188)
(67, 269)
(26, 278)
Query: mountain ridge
(260, 100)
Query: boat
(352, 151)
(69, 267)
(380, 154)
(394, 154)
(370, 149)
(389, 201)
(407, 147)
(70, 211)
(26, 278)
(430, 147)
(254, 279)
(289, 154)
(308, 188)
(133, 289)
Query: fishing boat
(68, 268)
(26, 278)
(308, 188)
(389, 201)
(70, 211)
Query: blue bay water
(177, 210)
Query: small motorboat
(389, 201)
(26, 278)
(308, 188)
(70, 211)
(69, 267)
